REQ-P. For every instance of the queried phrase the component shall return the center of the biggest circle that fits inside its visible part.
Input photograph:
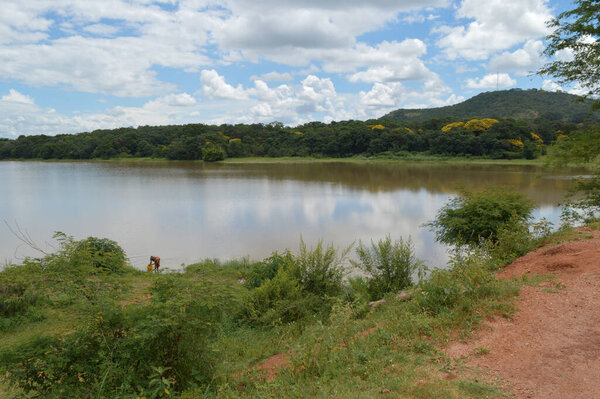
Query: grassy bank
(416, 158)
(77, 322)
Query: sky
(70, 66)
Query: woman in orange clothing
(155, 260)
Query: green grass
(355, 159)
(396, 349)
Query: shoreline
(266, 160)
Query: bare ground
(551, 347)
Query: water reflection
(184, 212)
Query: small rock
(385, 391)
(375, 304)
(404, 295)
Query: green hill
(516, 103)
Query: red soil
(551, 348)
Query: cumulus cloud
(550, 85)
(522, 61)
(386, 97)
(491, 81)
(214, 86)
(20, 115)
(274, 77)
(16, 97)
(496, 25)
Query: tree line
(499, 139)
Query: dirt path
(551, 348)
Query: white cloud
(522, 61)
(119, 66)
(178, 100)
(491, 81)
(102, 29)
(386, 97)
(214, 86)
(550, 85)
(497, 25)
(16, 97)
(20, 115)
(274, 77)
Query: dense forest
(491, 138)
(529, 105)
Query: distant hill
(515, 103)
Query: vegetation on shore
(452, 136)
(81, 322)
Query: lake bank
(356, 159)
(353, 352)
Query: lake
(185, 212)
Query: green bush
(583, 201)
(516, 239)
(476, 216)
(267, 269)
(19, 297)
(469, 281)
(118, 352)
(389, 266)
(279, 300)
(303, 284)
(212, 154)
(102, 253)
(319, 270)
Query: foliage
(102, 253)
(212, 154)
(476, 216)
(319, 270)
(278, 300)
(516, 239)
(580, 147)
(118, 350)
(467, 281)
(291, 287)
(267, 269)
(583, 201)
(531, 105)
(480, 125)
(184, 341)
(469, 128)
(19, 296)
(576, 31)
(390, 266)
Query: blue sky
(69, 66)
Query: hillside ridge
(515, 103)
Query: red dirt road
(551, 348)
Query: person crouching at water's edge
(155, 260)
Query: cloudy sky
(70, 65)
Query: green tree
(476, 216)
(576, 31)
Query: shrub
(19, 297)
(267, 269)
(516, 239)
(118, 351)
(476, 216)
(303, 284)
(102, 253)
(212, 154)
(279, 300)
(319, 270)
(463, 286)
(583, 201)
(389, 266)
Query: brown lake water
(185, 212)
